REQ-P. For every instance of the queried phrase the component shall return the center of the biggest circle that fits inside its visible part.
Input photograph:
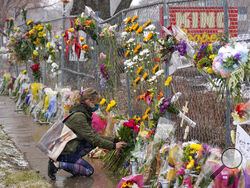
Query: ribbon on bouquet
(66, 38)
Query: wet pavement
(25, 132)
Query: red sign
(202, 24)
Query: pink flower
(101, 35)
(188, 182)
(102, 56)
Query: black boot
(52, 169)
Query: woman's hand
(120, 145)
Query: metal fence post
(166, 24)
(78, 76)
(96, 54)
(63, 48)
(44, 72)
(127, 83)
(228, 115)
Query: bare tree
(13, 8)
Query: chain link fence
(200, 19)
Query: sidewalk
(26, 133)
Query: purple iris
(181, 48)
(104, 71)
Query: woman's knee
(90, 172)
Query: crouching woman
(87, 139)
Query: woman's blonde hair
(79, 97)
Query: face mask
(95, 108)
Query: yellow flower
(40, 28)
(210, 48)
(139, 70)
(138, 119)
(212, 56)
(71, 30)
(125, 44)
(147, 111)
(53, 51)
(31, 31)
(197, 147)
(168, 81)
(139, 30)
(103, 101)
(137, 80)
(29, 22)
(81, 39)
(155, 68)
(126, 54)
(108, 108)
(57, 37)
(40, 34)
(68, 41)
(145, 76)
(190, 165)
(35, 53)
(25, 71)
(127, 28)
(44, 35)
(127, 20)
(134, 18)
(63, 34)
(145, 116)
(136, 26)
(148, 22)
(14, 28)
(209, 70)
(112, 103)
(137, 48)
(48, 45)
(22, 46)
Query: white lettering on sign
(220, 19)
(183, 19)
(207, 19)
(195, 16)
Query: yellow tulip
(168, 81)
(112, 103)
(103, 101)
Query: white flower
(135, 58)
(131, 40)
(49, 60)
(159, 72)
(152, 79)
(150, 27)
(127, 62)
(113, 27)
(124, 34)
(55, 66)
(144, 52)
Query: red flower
(241, 108)
(156, 59)
(35, 67)
(131, 124)
(6, 20)
(65, 1)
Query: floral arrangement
(241, 113)
(86, 24)
(231, 67)
(204, 57)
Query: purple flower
(181, 48)
(237, 56)
(104, 71)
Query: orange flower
(147, 111)
(137, 80)
(127, 28)
(139, 30)
(159, 96)
(150, 36)
(137, 48)
(148, 22)
(139, 70)
(127, 53)
(68, 41)
(155, 68)
(145, 116)
(87, 22)
(130, 29)
(85, 47)
(125, 44)
(136, 26)
(145, 76)
(134, 18)
(127, 20)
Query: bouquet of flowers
(86, 24)
(241, 113)
(232, 66)
(36, 72)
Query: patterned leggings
(74, 164)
